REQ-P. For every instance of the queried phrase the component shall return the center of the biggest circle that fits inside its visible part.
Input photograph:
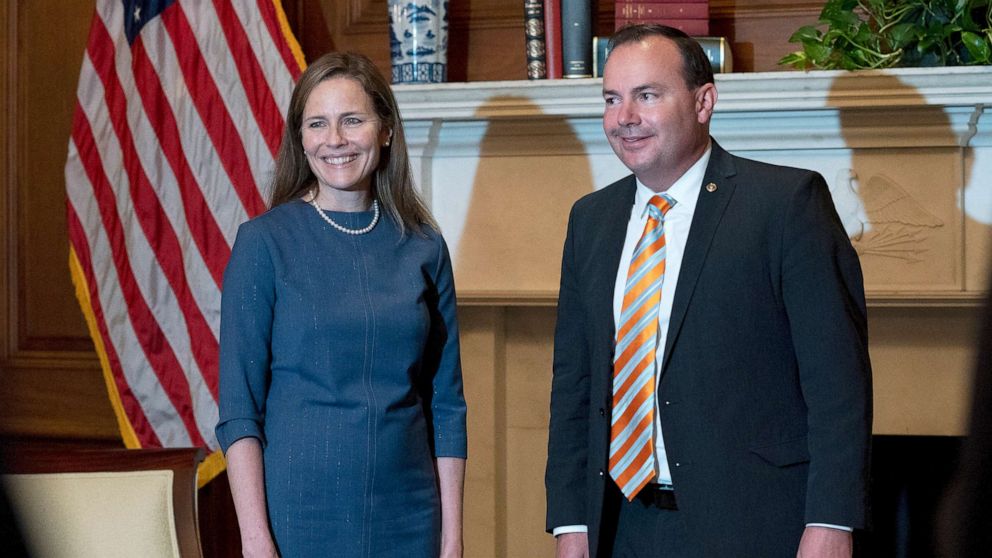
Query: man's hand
(824, 542)
(573, 545)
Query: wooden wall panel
(53, 387)
(483, 343)
(8, 42)
(51, 41)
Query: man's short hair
(696, 67)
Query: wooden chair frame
(182, 462)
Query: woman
(341, 407)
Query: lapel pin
(711, 187)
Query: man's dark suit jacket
(765, 392)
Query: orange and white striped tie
(632, 455)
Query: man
(712, 389)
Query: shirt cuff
(233, 430)
(829, 526)
(569, 529)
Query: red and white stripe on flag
(177, 124)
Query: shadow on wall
(529, 173)
(899, 202)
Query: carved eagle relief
(881, 218)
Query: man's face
(654, 122)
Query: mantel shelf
(760, 91)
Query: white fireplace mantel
(742, 92)
(906, 152)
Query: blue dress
(340, 354)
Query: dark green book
(576, 39)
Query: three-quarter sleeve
(447, 399)
(245, 337)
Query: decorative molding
(895, 224)
(55, 359)
(870, 89)
(30, 344)
(737, 131)
(743, 92)
(952, 126)
(981, 128)
(506, 298)
(771, 110)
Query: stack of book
(560, 42)
(692, 17)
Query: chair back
(105, 503)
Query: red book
(691, 27)
(673, 10)
(552, 38)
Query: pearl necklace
(375, 219)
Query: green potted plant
(870, 34)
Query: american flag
(179, 114)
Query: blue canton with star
(139, 12)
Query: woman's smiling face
(342, 135)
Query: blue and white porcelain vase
(418, 40)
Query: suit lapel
(709, 211)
